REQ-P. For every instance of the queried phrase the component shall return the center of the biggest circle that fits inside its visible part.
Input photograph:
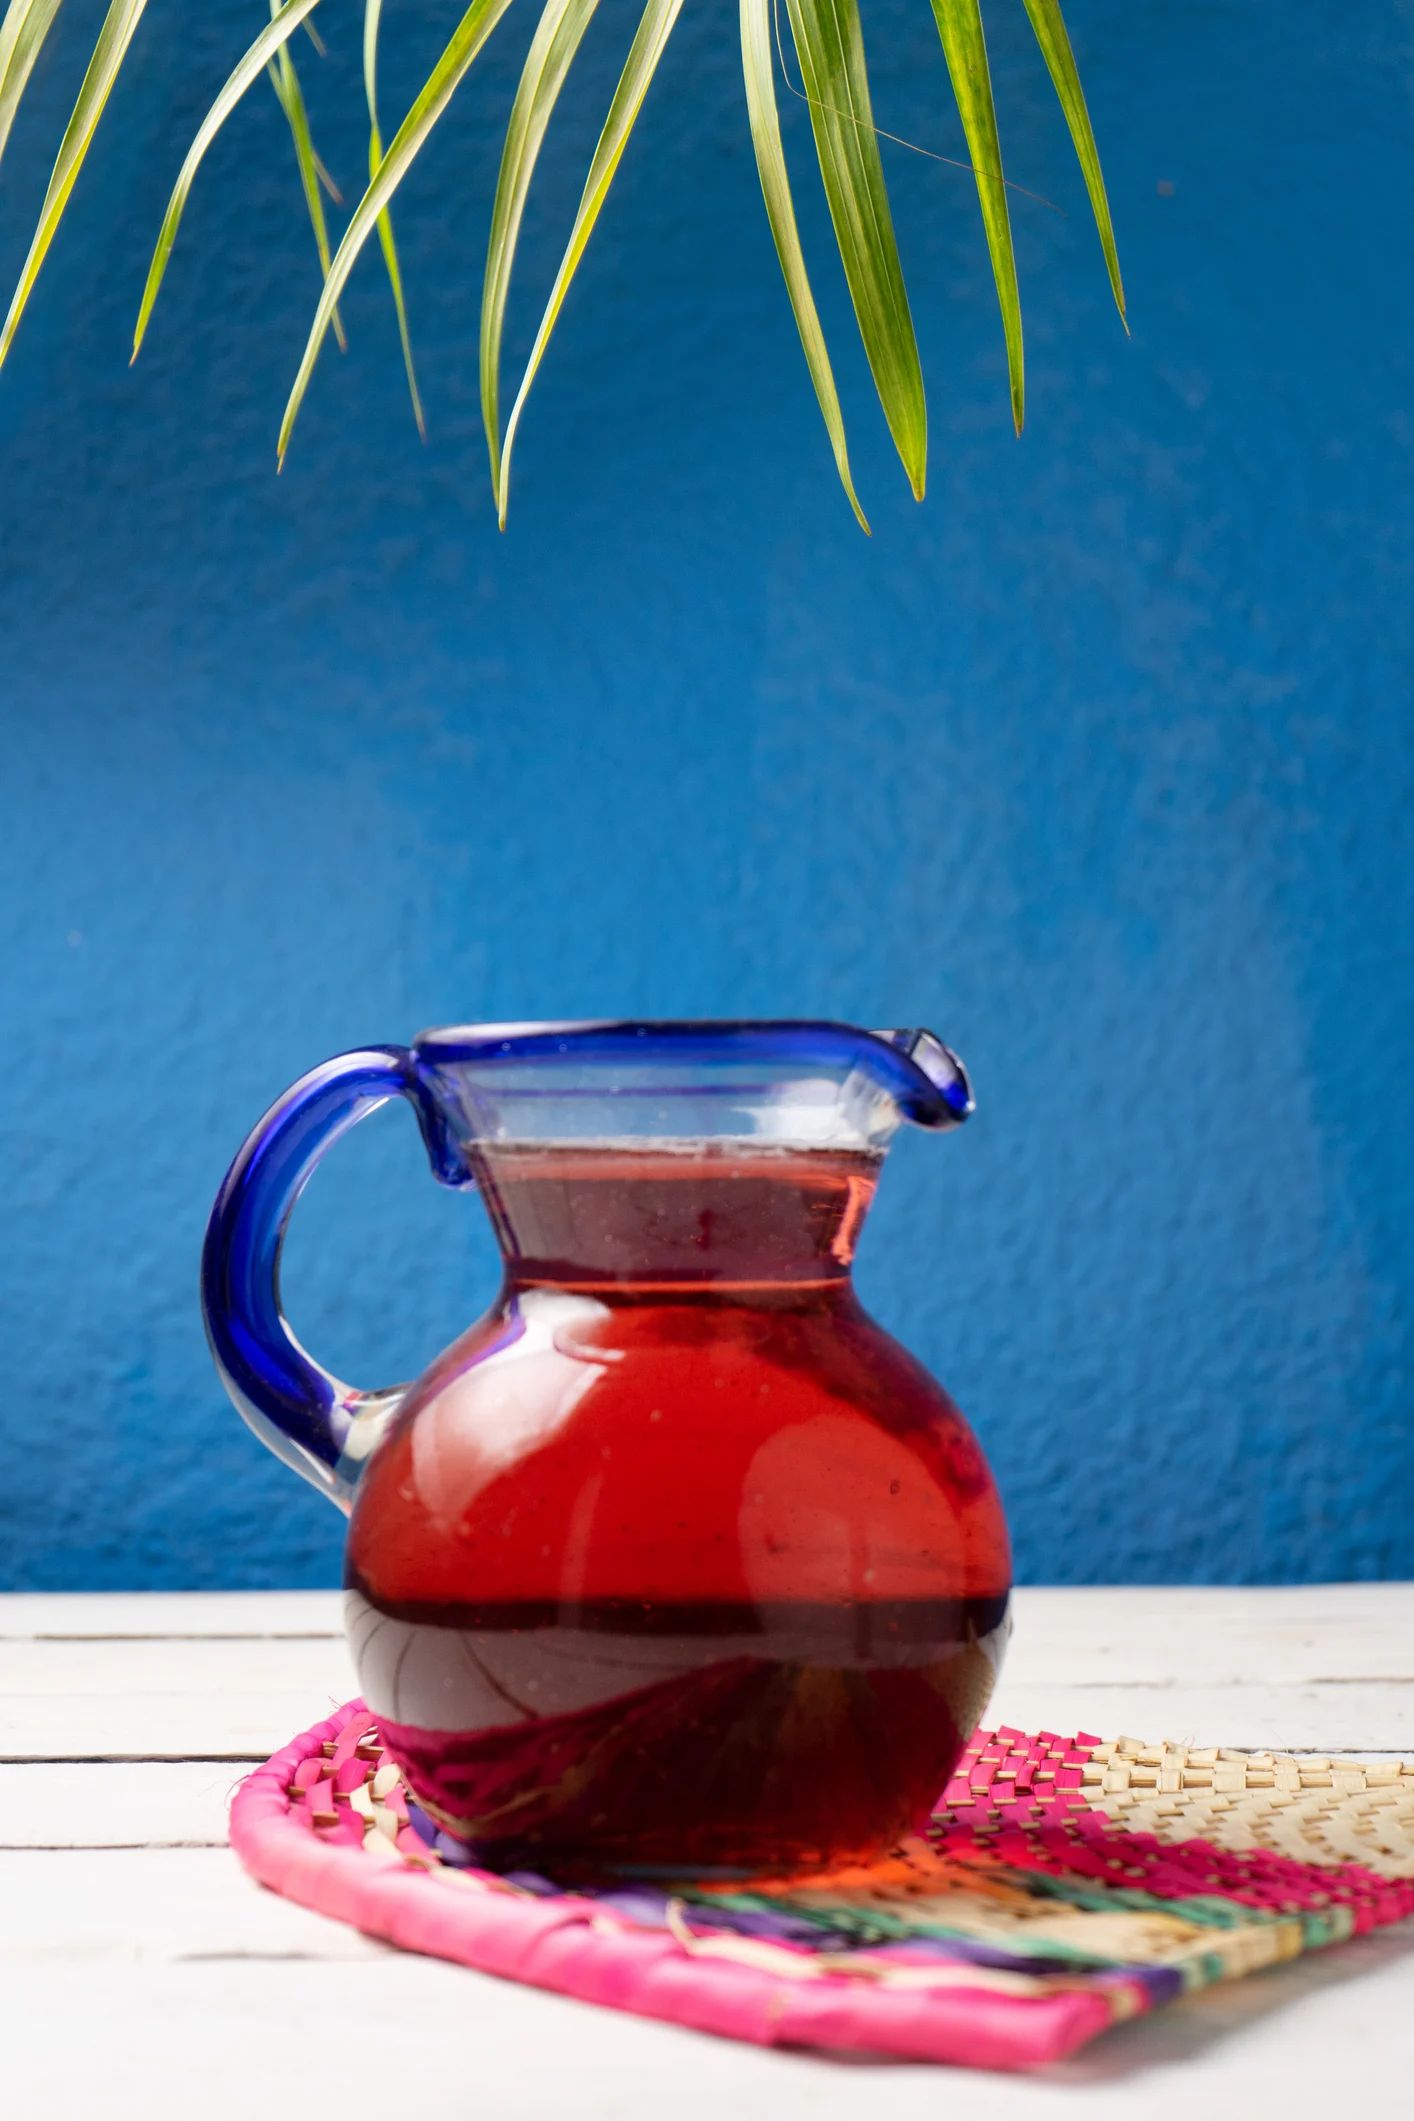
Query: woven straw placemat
(1064, 1884)
(1307, 1806)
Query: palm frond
(109, 52)
(556, 40)
(650, 40)
(1054, 40)
(436, 93)
(965, 48)
(290, 97)
(828, 41)
(248, 70)
(830, 46)
(23, 31)
(371, 13)
(758, 67)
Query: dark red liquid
(786, 1738)
(665, 1218)
(677, 1560)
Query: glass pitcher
(675, 1563)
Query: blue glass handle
(323, 1428)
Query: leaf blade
(829, 44)
(965, 49)
(247, 70)
(432, 99)
(389, 248)
(372, 17)
(553, 47)
(1054, 40)
(395, 282)
(650, 40)
(290, 97)
(758, 69)
(119, 25)
(22, 33)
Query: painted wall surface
(1101, 762)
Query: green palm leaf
(290, 97)
(647, 48)
(108, 55)
(385, 220)
(320, 171)
(23, 31)
(547, 63)
(437, 91)
(1054, 41)
(248, 70)
(830, 45)
(758, 67)
(965, 48)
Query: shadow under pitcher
(675, 1563)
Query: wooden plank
(237, 1726)
(1333, 1633)
(102, 1671)
(1323, 1669)
(102, 1615)
(115, 1805)
(152, 1987)
(1365, 1718)
(160, 1904)
(226, 1699)
(1099, 1633)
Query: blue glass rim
(924, 1076)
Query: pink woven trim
(569, 1946)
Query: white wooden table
(142, 1974)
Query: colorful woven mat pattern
(1065, 1883)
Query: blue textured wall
(1101, 762)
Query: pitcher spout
(945, 1075)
